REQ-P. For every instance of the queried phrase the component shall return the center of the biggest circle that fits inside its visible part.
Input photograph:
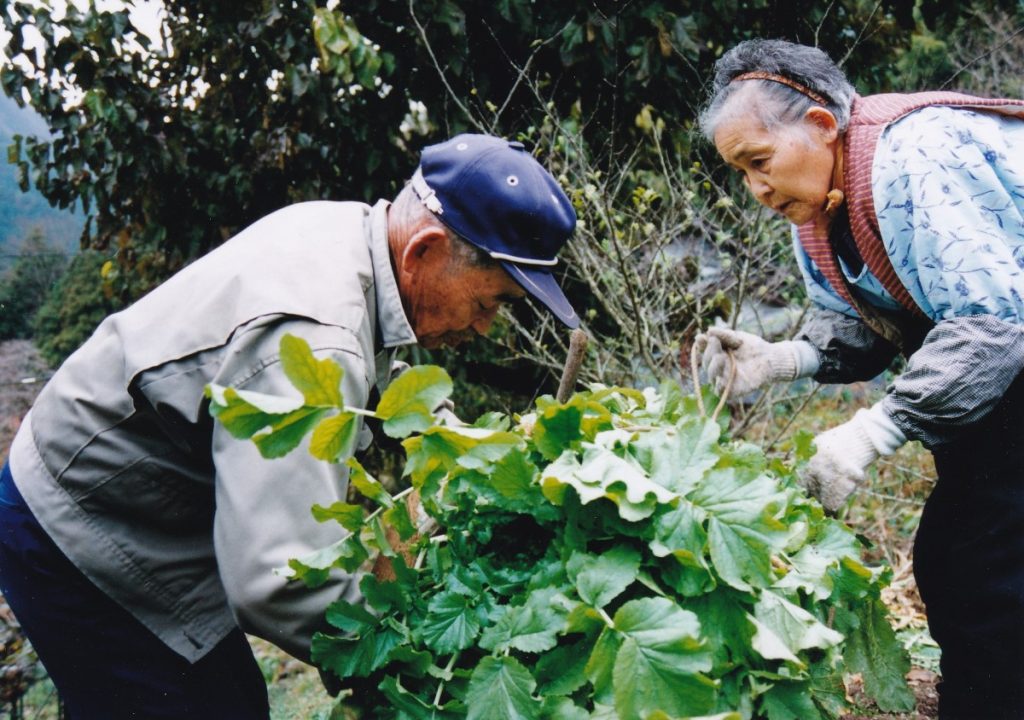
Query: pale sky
(145, 15)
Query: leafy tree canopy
(244, 107)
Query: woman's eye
(758, 163)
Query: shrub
(73, 309)
(611, 556)
(25, 286)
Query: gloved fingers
(700, 343)
(716, 369)
(397, 368)
(830, 479)
(712, 351)
(730, 339)
(448, 418)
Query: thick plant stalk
(577, 347)
(695, 370)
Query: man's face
(447, 301)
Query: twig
(440, 71)
(988, 52)
(793, 416)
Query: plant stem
(447, 671)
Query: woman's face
(789, 167)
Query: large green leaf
(287, 431)
(431, 455)
(600, 666)
(314, 569)
(510, 484)
(355, 656)
(679, 532)
(790, 701)
(367, 485)
(451, 623)
(334, 438)
(744, 531)
(874, 651)
(348, 516)
(244, 413)
(532, 627)
(603, 474)
(678, 457)
(562, 671)
(408, 403)
(319, 381)
(500, 688)
(661, 663)
(556, 429)
(725, 627)
(811, 564)
(794, 626)
(600, 579)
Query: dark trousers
(969, 565)
(105, 663)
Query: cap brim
(541, 284)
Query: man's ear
(823, 119)
(427, 246)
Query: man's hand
(845, 452)
(758, 362)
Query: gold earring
(834, 198)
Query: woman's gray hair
(778, 103)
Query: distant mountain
(21, 212)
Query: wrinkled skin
(787, 168)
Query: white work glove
(758, 362)
(845, 452)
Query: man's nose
(483, 323)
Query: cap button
(516, 145)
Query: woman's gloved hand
(846, 451)
(758, 362)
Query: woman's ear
(825, 122)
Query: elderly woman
(908, 215)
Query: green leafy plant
(614, 556)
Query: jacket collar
(395, 329)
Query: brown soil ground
(22, 374)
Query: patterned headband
(802, 89)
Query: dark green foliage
(564, 580)
(73, 309)
(172, 152)
(25, 286)
(21, 213)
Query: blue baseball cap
(495, 195)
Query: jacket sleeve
(956, 378)
(263, 516)
(848, 350)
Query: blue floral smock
(948, 189)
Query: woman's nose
(761, 190)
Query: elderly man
(137, 538)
